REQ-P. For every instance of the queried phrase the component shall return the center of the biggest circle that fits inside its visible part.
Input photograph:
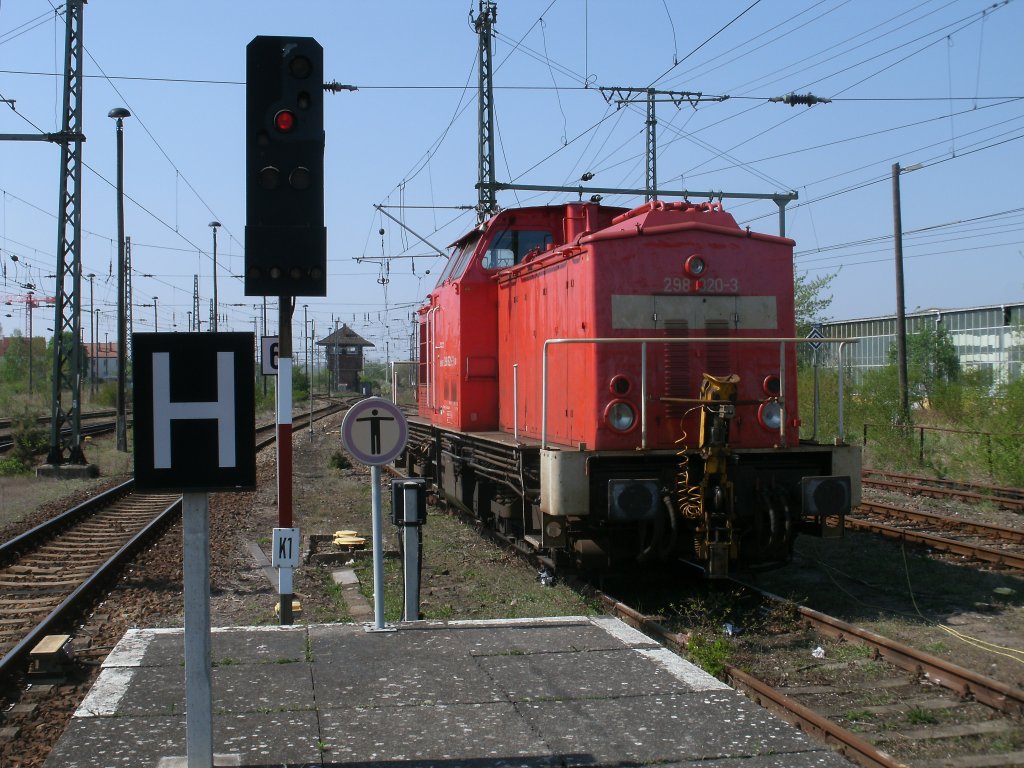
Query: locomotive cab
(458, 328)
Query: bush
(29, 438)
(11, 466)
(340, 460)
(268, 401)
(710, 654)
(106, 394)
(1005, 415)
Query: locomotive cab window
(510, 246)
(458, 259)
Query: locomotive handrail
(644, 341)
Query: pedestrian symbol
(374, 420)
(374, 431)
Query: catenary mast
(67, 348)
(487, 204)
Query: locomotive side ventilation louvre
(677, 367)
(718, 352)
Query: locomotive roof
(649, 218)
(658, 216)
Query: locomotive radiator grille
(717, 352)
(676, 359)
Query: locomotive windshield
(511, 245)
(459, 257)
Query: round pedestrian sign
(374, 431)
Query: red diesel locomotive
(606, 386)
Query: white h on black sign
(194, 411)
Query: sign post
(375, 431)
(195, 515)
(815, 333)
(284, 449)
(195, 432)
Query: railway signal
(285, 236)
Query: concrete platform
(570, 691)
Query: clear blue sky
(940, 83)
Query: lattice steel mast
(625, 96)
(197, 323)
(487, 203)
(67, 348)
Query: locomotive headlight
(695, 265)
(771, 385)
(769, 415)
(620, 416)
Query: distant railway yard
(891, 648)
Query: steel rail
(7, 423)
(983, 529)
(84, 592)
(7, 441)
(988, 491)
(964, 682)
(985, 554)
(940, 492)
(65, 519)
(847, 743)
(301, 421)
(952, 677)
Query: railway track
(6, 424)
(878, 706)
(998, 545)
(1001, 545)
(86, 430)
(975, 493)
(52, 571)
(48, 574)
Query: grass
(394, 598)
(333, 608)
(849, 652)
(919, 716)
(710, 654)
(465, 577)
(858, 715)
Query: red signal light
(284, 120)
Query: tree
(932, 359)
(15, 360)
(808, 302)
(809, 306)
(18, 358)
(376, 375)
